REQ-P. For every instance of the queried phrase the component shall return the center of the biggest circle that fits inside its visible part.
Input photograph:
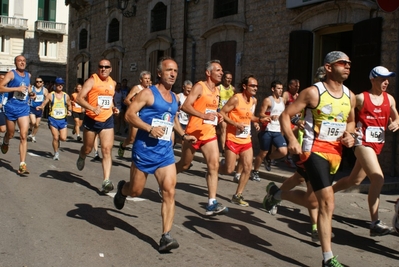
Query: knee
(62, 138)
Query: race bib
(20, 96)
(105, 101)
(39, 98)
(223, 102)
(168, 128)
(59, 113)
(77, 105)
(244, 133)
(375, 134)
(215, 121)
(331, 131)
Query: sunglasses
(59, 84)
(104, 67)
(39, 81)
(343, 62)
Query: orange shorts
(237, 148)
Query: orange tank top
(242, 113)
(75, 106)
(101, 94)
(208, 102)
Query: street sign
(388, 5)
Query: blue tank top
(18, 97)
(146, 146)
(38, 99)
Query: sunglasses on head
(104, 67)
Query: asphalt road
(56, 216)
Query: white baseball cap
(381, 71)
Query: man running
(329, 124)
(376, 112)
(238, 113)
(60, 108)
(152, 151)
(37, 96)
(16, 84)
(96, 98)
(201, 105)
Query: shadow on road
(101, 218)
(69, 177)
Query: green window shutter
(52, 10)
(40, 10)
(4, 8)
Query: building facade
(37, 29)
(273, 40)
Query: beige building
(272, 39)
(38, 30)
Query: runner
(36, 98)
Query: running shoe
(56, 156)
(380, 229)
(73, 131)
(29, 137)
(239, 200)
(119, 198)
(333, 262)
(121, 150)
(268, 163)
(96, 156)
(269, 202)
(236, 177)
(79, 138)
(216, 209)
(80, 163)
(315, 235)
(33, 139)
(167, 243)
(107, 186)
(395, 219)
(255, 176)
(4, 148)
(22, 169)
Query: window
(223, 8)
(113, 31)
(4, 44)
(46, 10)
(4, 7)
(83, 39)
(158, 17)
(48, 49)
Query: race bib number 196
(331, 131)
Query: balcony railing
(50, 27)
(13, 23)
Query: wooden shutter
(366, 52)
(52, 10)
(226, 53)
(4, 8)
(300, 57)
(40, 10)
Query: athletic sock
(327, 255)
(314, 227)
(210, 201)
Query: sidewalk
(281, 172)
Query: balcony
(13, 23)
(52, 27)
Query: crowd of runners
(308, 129)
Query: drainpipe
(185, 26)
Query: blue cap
(59, 80)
